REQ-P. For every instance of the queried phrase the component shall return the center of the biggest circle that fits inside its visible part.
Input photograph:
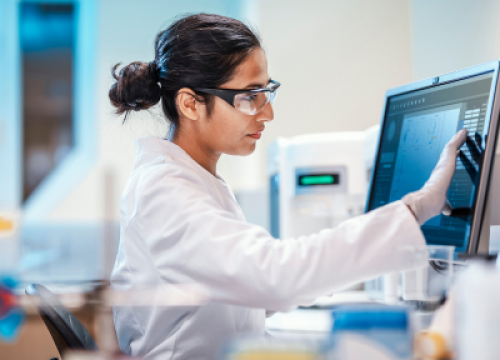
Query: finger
(469, 167)
(458, 139)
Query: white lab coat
(182, 225)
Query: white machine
(318, 180)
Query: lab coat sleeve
(193, 240)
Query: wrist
(409, 208)
(412, 202)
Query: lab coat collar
(151, 144)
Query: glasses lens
(273, 96)
(251, 103)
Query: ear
(187, 105)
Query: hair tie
(154, 70)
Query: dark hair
(198, 51)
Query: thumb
(446, 208)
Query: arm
(193, 240)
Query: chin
(244, 150)
(251, 149)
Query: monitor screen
(416, 127)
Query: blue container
(386, 328)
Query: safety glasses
(249, 102)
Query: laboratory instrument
(318, 180)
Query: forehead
(251, 72)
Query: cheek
(231, 128)
(227, 131)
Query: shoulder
(168, 175)
(166, 180)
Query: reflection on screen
(416, 128)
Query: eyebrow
(257, 86)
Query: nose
(267, 113)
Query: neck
(203, 156)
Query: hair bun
(153, 69)
(136, 87)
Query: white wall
(449, 35)
(335, 60)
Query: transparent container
(428, 284)
(432, 283)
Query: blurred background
(65, 156)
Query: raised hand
(431, 200)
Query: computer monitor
(417, 121)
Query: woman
(180, 223)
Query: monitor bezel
(493, 119)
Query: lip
(256, 135)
